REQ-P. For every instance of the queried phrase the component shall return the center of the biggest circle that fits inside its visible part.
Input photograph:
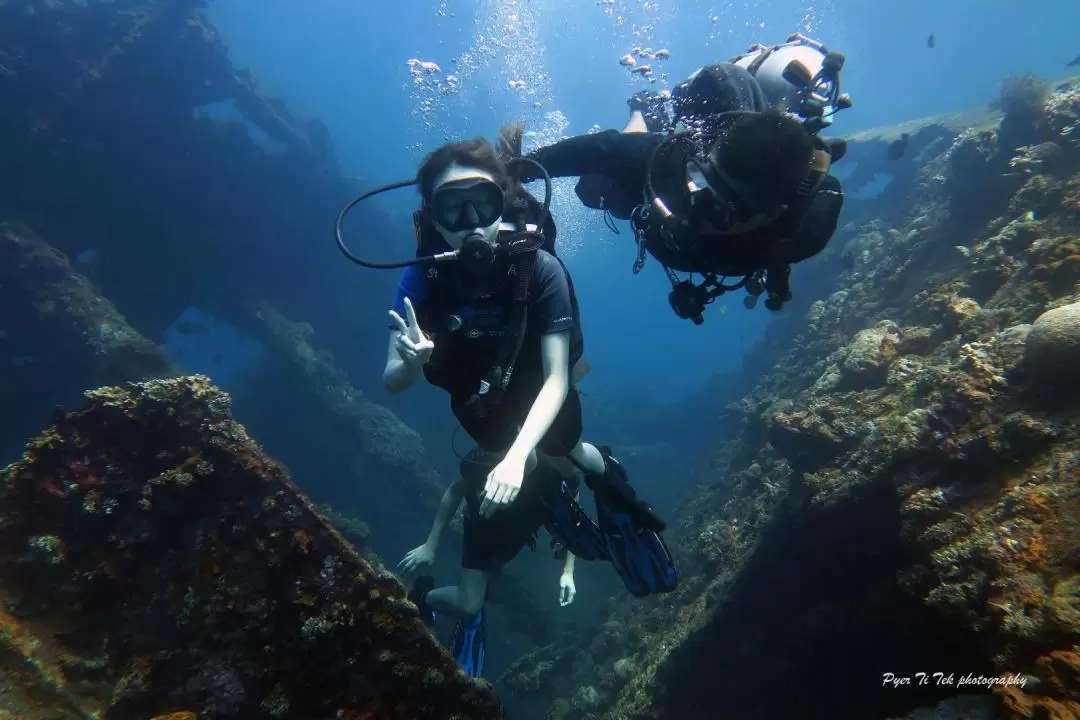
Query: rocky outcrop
(154, 560)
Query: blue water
(201, 343)
(345, 63)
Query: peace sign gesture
(413, 345)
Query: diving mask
(467, 204)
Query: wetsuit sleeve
(411, 285)
(820, 221)
(551, 307)
(610, 153)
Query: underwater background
(169, 174)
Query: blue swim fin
(467, 644)
(632, 531)
(571, 527)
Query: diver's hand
(503, 485)
(417, 557)
(643, 101)
(567, 590)
(413, 346)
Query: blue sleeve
(412, 285)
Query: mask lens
(467, 204)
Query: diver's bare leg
(464, 599)
(587, 456)
(636, 123)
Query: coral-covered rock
(153, 560)
(1054, 687)
(1053, 347)
(867, 358)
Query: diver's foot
(613, 488)
(418, 597)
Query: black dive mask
(464, 204)
(458, 206)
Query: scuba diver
(487, 312)
(734, 183)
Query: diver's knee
(588, 456)
(471, 605)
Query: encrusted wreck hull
(154, 560)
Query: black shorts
(491, 542)
(496, 432)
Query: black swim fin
(631, 529)
(467, 644)
(421, 587)
(572, 528)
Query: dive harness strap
(498, 378)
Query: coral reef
(1022, 99)
(1053, 347)
(154, 560)
(902, 492)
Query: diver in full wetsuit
(742, 190)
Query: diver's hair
(768, 151)
(511, 137)
(477, 153)
(510, 140)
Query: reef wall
(154, 560)
(902, 493)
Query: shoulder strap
(523, 265)
(498, 378)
